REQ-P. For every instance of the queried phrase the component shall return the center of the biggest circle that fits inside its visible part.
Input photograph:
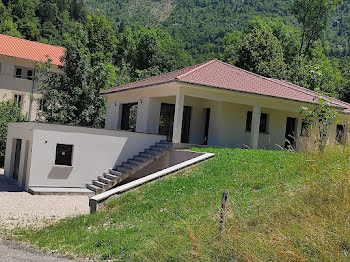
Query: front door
(166, 122)
(129, 116)
(17, 158)
(290, 133)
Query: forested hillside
(112, 42)
(202, 24)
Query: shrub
(9, 112)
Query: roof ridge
(23, 39)
(196, 67)
(297, 88)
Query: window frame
(30, 77)
(340, 136)
(58, 162)
(19, 102)
(18, 75)
(304, 131)
(263, 117)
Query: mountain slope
(202, 23)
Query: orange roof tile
(30, 50)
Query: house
(213, 103)
(18, 58)
(217, 104)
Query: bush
(9, 112)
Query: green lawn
(279, 209)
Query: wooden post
(222, 211)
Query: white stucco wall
(94, 152)
(227, 117)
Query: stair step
(123, 169)
(141, 159)
(152, 152)
(135, 162)
(145, 155)
(166, 146)
(111, 177)
(100, 184)
(94, 188)
(154, 148)
(166, 142)
(105, 180)
(130, 166)
(114, 172)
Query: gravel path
(23, 209)
(15, 252)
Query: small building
(217, 104)
(18, 58)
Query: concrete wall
(94, 152)
(11, 86)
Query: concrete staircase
(114, 176)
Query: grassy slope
(279, 210)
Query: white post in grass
(254, 135)
(179, 109)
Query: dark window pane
(248, 124)
(30, 74)
(263, 122)
(64, 155)
(340, 134)
(18, 72)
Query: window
(340, 134)
(64, 155)
(18, 100)
(304, 128)
(41, 105)
(0, 67)
(263, 122)
(18, 72)
(30, 74)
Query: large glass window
(263, 122)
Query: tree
(73, 96)
(9, 112)
(7, 26)
(262, 53)
(313, 16)
(23, 14)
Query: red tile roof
(30, 50)
(221, 75)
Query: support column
(179, 109)
(254, 135)
(113, 118)
(142, 115)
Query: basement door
(290, 133)
(166, 122)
